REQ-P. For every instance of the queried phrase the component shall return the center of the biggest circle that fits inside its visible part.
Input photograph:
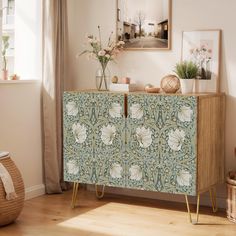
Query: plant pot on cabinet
(186, 85)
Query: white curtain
(54, 73)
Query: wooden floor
(51, 215)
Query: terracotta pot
(4, 74)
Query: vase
(102, 78)
(186, 85)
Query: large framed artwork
(144, 24)
(203, 47)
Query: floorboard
(114, 215)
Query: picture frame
(144, 25)
(203, 47)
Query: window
(21, 34)
(8, 9)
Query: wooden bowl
(152, 90)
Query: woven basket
(10, 209)
(231, 200)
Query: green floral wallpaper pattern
(154, 148)
(161, 142)
(94, 126)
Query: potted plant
(187, 71)
(5, 46)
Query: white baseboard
(34, 191)
(204, 200)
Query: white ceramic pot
(186, 85)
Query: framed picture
(203, 47)
(144, 24)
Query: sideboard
(156, 142)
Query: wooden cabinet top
(210, 94)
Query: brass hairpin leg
(197, 211)
(212, 192)
(99, 196)
(74, 194)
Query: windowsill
(33, 81)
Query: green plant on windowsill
(5, 46)
(186, 70)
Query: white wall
(165, 9)
(20, 131)
(150, 66)
(84, 17)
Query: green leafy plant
(186, 70)
(5, 46)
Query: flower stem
(103, 78)
(100, 38)
(100, 84)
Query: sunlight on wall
(28, 39)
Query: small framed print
(203, 47)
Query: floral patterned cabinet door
(94, 138)
(161, 143)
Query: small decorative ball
(114, 79)
(170, 84)
(147, 86)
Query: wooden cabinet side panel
(211, 127)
